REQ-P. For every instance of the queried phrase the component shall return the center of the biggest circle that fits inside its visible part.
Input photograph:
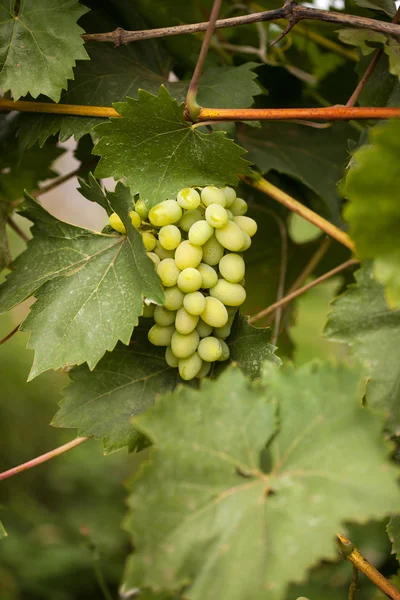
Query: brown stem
(312, 264)
(353, 555)
(9, 335)
(302, 290)
(191, 97)
(353, 584)
(17, 229)
(43, 458)
(50, 186)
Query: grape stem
(280, 196)
(9, 335)
(17, 229)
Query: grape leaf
(123, 384)
(92, 190)
(315, 157)
(158, 152)
(387, 6)
(39, 45)
(89, 287)
(367, 42)
(393, 530)
(3, 532)
(361, 318)
(203, 506)
(373, 213)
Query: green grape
(231, 267)
(168, 272)
(230, 294)
(164, 317)
(162, 252)
(215, 313)
(246, 224)
(189, 280)
(247, 242)
(161, 336)
(188, 198)
(204, 371)
(216, 215)
(225, 351)
(239, 207)
(194, 303)
(230, 195)
(169, 237)
(230, 236)
(149, 240)
(135, 219)
(210, 349)
(200, 232)
(141, 209)
(212, 251)
(170, 358)
(154, 258)
(190, 367)
(230, 215)
(148, 310)
(222, 332)
(173, 298)
(165, 213)
(183, 346)
(184, 322)
(116, 223)
(208, 275)
(212, 195)
(188, 255)
(203, 329)
(190, 217)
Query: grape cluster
(195, 242)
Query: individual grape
(116, 223)
(232, 268)
(190, 367)
(212, 195)
(169, 237)
(164, 317)
(168, 272)
(247, 242)
(204, 371)
(189, 280)
(170, 358)
(135, 219)
(230, 236)
(148, 310)
(185, 322)
(188, 255)
(230, 215)
(225, 351)
(188, 198)
(154, 258)
(215, 313)
(141, 209)
(165, 213)
(161, 336)
(230, 195)
(190, 217)
(183, 346)
(162, 252)
(173, 298)
(149, 240)
(230, 294)
(194, 303)
(246, 224)
(216, 215)
(203, 329)
(239, 207)
(200, 232)
(210, 349)
(222, 332)
(208, 275)
(212, 251)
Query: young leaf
(386, 6)
(159, 153)
(393, 530)
(39, 45)
(367, 42)
(123, 384)
(361, 318)
(373, 187)
(205, 506)
(89, 287)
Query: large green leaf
(367, 41)
(89, 287)
(386, 6)
(361, 318)
(372, 185)
(393, 530)
(158, 152)
(39, 45)
(207, 514)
